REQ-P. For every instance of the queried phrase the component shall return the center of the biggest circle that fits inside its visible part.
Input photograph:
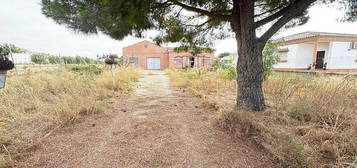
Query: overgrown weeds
(201, 80)
(37, 102)
(89, 69)
(311, 120)
(124, 78)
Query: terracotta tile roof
(312, 34)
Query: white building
(332, 52)
(230, 60)
(21, 58)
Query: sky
(22, 24)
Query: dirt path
(155, 126)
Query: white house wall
(292, 49)
(304, 55)
(23, 58)
(341, 56)
(299, 56)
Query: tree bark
(250, 76)
(250, 62)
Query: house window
(133, 60)
(206, 60)
(178, 60)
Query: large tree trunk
(250, 75)
(250, 62)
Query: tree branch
(223, 11)
(268, 11)
(272, 17)
(162, 5)
(198, 26)
(294, 10)
(235, 15)
(212, 14)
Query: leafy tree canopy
(6, 48)
(194, 50)
(186, 21)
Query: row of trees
(40, 58)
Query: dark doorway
(192, 62)
(320, 60)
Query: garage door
(153, 63)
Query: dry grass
(202, 81)
(311, 120)
(124, 77)
(35, 103)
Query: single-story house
(148, 55)
(332, 52)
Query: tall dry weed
(125, 76)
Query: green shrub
(54, 59)
(39, 58)
(68, 60)
(228, 73)
(91, 69)
(270, 57)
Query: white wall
(323, 46)
(337, 55)
(23, 58)
(341, 56)
(304, 55)
(298, 56)
(290, 55)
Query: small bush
(39, 58)
(90, 69)
(228, 73)
(293, 153)
(54, 59)
(301, 111)
(228, 120)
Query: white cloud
(23, 24)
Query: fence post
(112, 68)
